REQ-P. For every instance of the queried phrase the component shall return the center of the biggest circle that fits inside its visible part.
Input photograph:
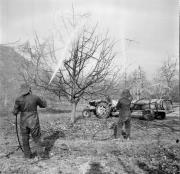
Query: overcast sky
(152, 24)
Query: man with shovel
(26, 104)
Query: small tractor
(150, 109)
(146, 109)
(100, 108)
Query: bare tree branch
(85, 71)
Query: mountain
(10, 64)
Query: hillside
(10, 63)
(10, 59)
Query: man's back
(123, 104)
(28, 103)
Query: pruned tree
(83, 72)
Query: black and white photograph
(89, 87)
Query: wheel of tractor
(148, 117)
(102, 110)
(86, 113)
(160, 115)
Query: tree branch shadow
(79, 117)
(51, 139)
(126, 168)
(149, 170)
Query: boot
(41, 151)
(26, 147)
(31, 156)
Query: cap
(125, 93)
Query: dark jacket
(26, 105)
(123, 106)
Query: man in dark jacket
(123, 106)
(26, 105)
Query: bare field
(88, 147)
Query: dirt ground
(88, 147)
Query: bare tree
(158, 89)
(168, 71)
(138, 83)
(83, 72)
(165, 78)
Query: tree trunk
(73, 113)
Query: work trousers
(118, 130)
(36, 135)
